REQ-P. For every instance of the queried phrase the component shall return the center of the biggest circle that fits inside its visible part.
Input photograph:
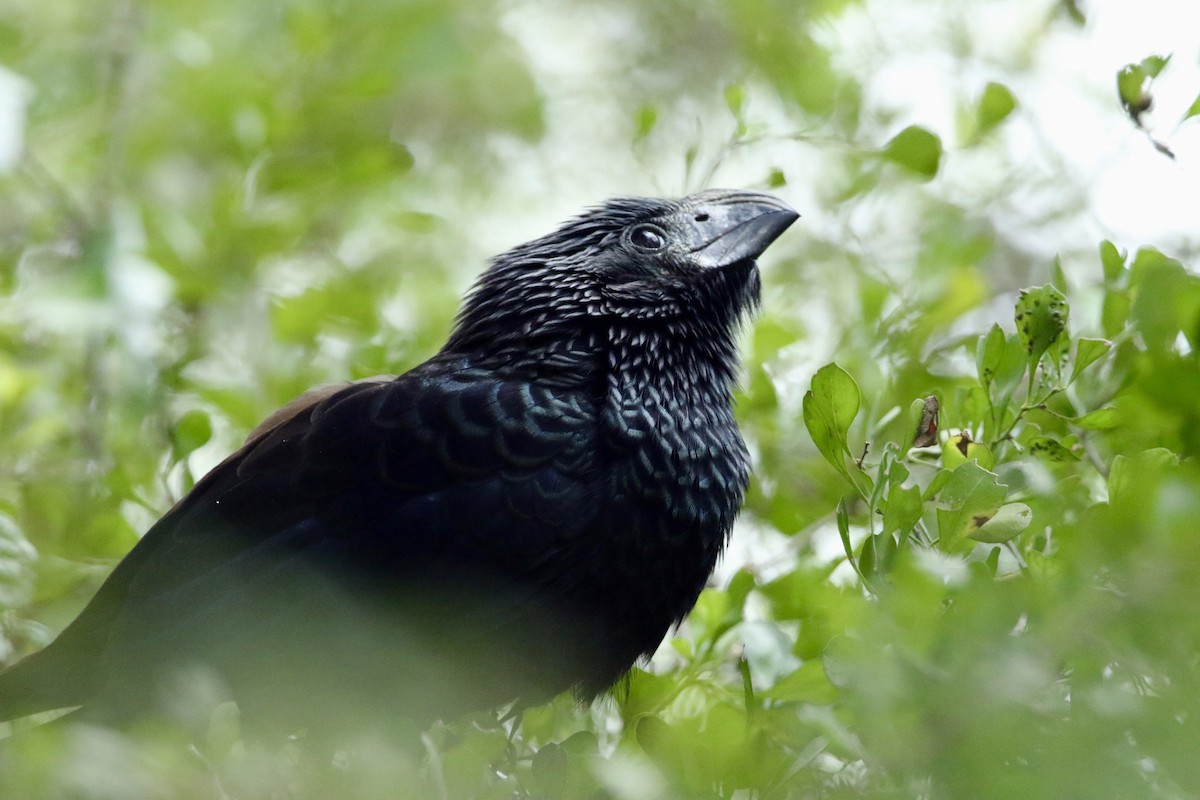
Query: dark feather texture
(527, 512)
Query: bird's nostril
(702, 217)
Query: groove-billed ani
(527, 512)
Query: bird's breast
(679, 469)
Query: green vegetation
(221, 204)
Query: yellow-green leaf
(995, 106)
(192, 431)
(916, 149)
(959, 449)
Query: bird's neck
(671, 369)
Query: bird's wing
(372, 484)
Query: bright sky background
(1069, 126)
(1068, 118)
(1137, 194)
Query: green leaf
(581, 745)
(878, 555)
(989, 354)
(1087, 352)
(995, 106)
(710, 610)
(829, 407)
(1166, 300)
(1112, 260)
(740, 586)
(1012, 369)
(346, 303)
(1153, 65)
(1130, 81)
(1008, 521)
(1133, 84)
(1115, 311)
(970, 498)
(1126, 474)
(735, 99)
(891, 472)
(1193, 110)
(903, 510)
(916, 149)
(937, 484)
(657, 740)
(1101, 419)
(993, 561)
(808, 684)
(841, 659)
(647, 117)
(1059, 276)
(551, 768)
(842, 516)
(1041, 316)
(191, 432)
(1050, 449)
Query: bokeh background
(208, 207)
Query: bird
(528, 512)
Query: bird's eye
(648, 237)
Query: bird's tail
(39, 682)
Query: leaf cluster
(967, 563)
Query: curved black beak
(727, 226)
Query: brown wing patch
(303, 403)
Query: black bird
(527, 512)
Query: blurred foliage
(220, 204)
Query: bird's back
(450, 538)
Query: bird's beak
(727, 226)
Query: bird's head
(683, 266)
